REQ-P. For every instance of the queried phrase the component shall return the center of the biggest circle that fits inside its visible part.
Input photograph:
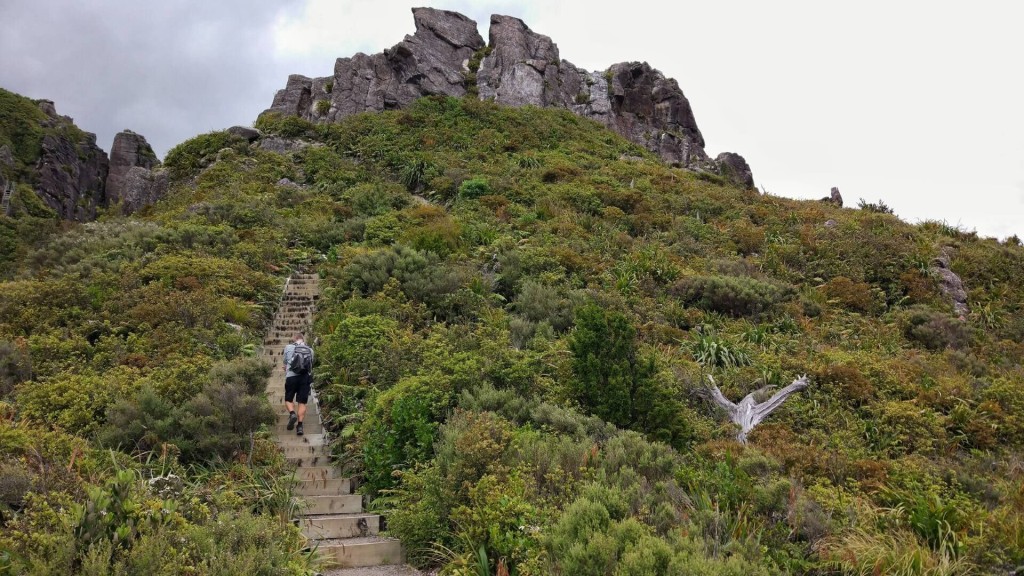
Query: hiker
(298, 362)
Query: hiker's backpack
(302, 359)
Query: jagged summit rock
(517, 67)
(431, 61)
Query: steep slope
(517, 67)
(519, 313)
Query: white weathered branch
(749, 413)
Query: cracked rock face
(432, 61)
(72, 174)
(132, 180)
(518, 68)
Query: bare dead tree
(749, 412)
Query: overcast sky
(919, 104)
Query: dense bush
(735, 296)
(187, 158)
(215, 424)
(935, 330)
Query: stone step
(332, 504)
(340, 526)
(356, 552)
(328, 487)
(317, 473)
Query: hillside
(520, 313)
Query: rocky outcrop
(132, 181)
(434, 60)
(71, 174)
(71, 169)
(517, 67)
(735, 168)
(834, 197)
(950, 283)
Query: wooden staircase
(5, 202)
(329, 514)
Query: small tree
(614, 383)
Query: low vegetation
(516, 329)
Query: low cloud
(167, 70)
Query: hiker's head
(299, 336)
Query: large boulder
(735, 168)
(130, 150)
(518, 67)
(142, 187)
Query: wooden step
(293, 440)
(306, 451)
(340, 526)
(324, 487)
(317, 473)
(332, 504)
(365, 551)
(309, 427)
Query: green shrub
(474, 188)
(399, 429)
(934, 330)
(185, 159)
(285, 125)
(323, 107)
(213, 425)
(735, 296)
(540, 303)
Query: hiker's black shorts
(297, 388)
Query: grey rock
(294, 99)
(950, 284)
(131, 154)
(72, 174)
(431, 61)
(142, 187)
(830, 223)
(834, 197)
(6, 157)
(48, 108)
(287, 183)
(735, 168)
(523, 68)
(249, 134)
(282, 145)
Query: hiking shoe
(292, 419)
(298, 429)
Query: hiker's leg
(291, 388)
(302, 396)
